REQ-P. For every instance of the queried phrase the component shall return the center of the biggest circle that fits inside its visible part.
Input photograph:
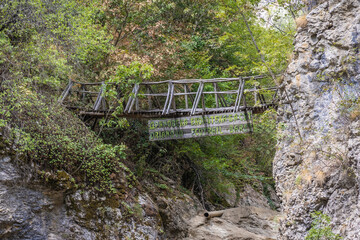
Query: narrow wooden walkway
(172, 98)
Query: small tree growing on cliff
(320, 228)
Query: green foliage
(127, 76)
(45, 133)
(60, 38)
(238, 158)
(320, 228)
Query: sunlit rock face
(316, 167)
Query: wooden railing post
(99, 98)
(216, 95)
(66, 92)
(132, 99)
(240, 95)
(186, 97)
(197, 98)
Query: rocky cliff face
(317, 163)
(31, 210)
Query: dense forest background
(44, 43)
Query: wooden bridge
(172, 98)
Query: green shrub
(320, 228)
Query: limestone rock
(245, 222)
(320, 169)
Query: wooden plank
(189, 93)
(85, 92)
(212, 80)
(94, 83)
(209, 92)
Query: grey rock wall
(31, 210)
(319, 171)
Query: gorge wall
(33, 209)
(317, 163)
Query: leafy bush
(320, 228)
(47, 134)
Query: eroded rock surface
(319, 171)
(251, 219)
(30, 210)
(244, 222)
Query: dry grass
(354, 114)
(287, 195)
(320, 177)
(306, 175)
(301, 22)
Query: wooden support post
(216, 95)
(203, 102)
(167, 98)
(174, 103)
(104, 108)
(255, 96)
(191, 96)
(83, 90)
(261, 97)
(274, 96)
(248, 120)
(149, 97)
(171, 85)
(186, 97)
(157, 102)
(137, 104)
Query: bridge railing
(172, 97)
(198, 96)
